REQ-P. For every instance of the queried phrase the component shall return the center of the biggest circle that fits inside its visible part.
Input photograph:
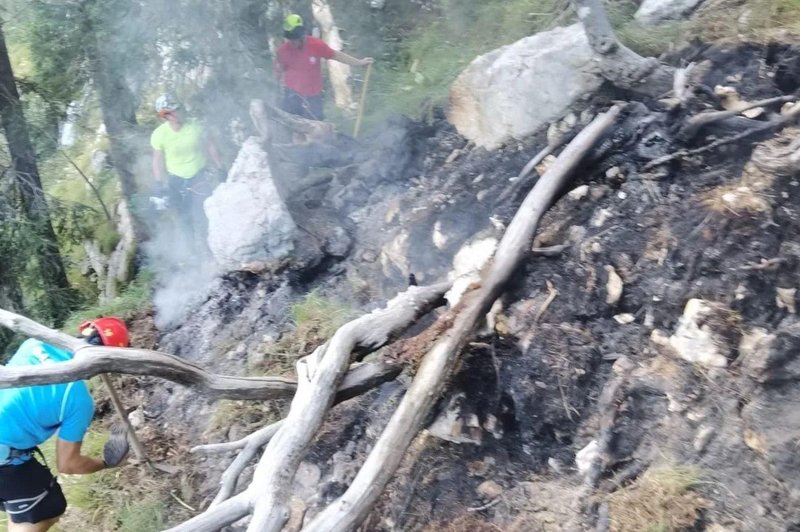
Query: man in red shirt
(298, 64)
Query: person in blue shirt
(29, 416)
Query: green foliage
(419, 68)
(136, 297)
(58, 48)
(142, 516)
(316, 319)
(106, 500)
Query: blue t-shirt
(30, 415)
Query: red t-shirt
(301, 67)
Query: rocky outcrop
(511, 92)
(248, 221)
(656, 11)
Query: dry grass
(662, 500)
(747, 197)
(469, 522)
(315, 319)
(248, 414)
(751, 20)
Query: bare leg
(41, 526)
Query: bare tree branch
(350, 509)
(699, 121)
(318, 374)
(89, 361)
(254, 443)
(619, 64)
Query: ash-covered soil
(524, 400)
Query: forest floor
(694, 447)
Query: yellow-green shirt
(184, 150)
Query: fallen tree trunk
(350, 509)
(619, 64)
(250, 445)
(318, 375)
(89, 361)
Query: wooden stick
(227, 482)
(777, 123)
(261, 437)
(361, 101)
(704, 119)
(346, 512)
(138, 450)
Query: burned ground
(524, 398)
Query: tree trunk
(118, 105)
(34, 204)
(339, 72)
(619, 64)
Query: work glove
(218, 174)
(116, 448)
(159, 202)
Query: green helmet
(292, 22)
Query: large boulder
(248, 221)
(514, 90)
(652, 12)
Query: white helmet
(167, 102)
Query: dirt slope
(525, 398)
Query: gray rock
(703, 335)
(772, 356)
(503, 95)
(704, 435)
(655, 11)
(247, 219)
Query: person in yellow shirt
(182, 150)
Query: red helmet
(112, 331)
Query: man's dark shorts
(304, 106)
(29, 493)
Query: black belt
(9, 454)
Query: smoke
(183, 268)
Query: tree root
(775, 124)
(697, 122)
(351, 508)
(268, 495)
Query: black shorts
(29, 493)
